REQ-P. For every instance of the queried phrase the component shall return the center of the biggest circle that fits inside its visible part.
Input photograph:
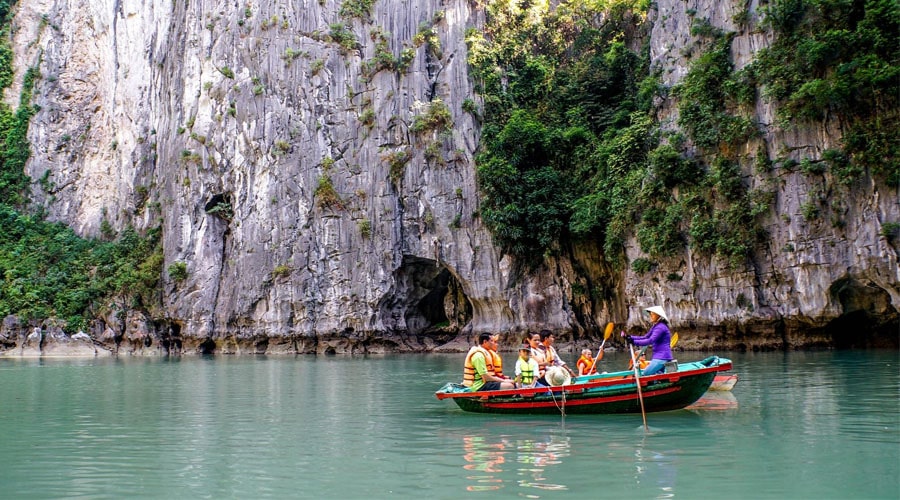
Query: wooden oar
(606, 334)
(637, 381)
(640, 354)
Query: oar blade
(674, 340)
(608, 331)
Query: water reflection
(530, 458)
(655, 470)
(484, 457)
(533, 458)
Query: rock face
(315, 173)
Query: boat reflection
(530, 458)
(715, 400)
(487, 458)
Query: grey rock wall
(221, 120)
(811, 272)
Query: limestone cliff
(312, 166)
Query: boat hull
(598, 394)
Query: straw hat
(557, 375)
(658, 310)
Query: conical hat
(658, 310)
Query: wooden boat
(594, 394)
(723, 382)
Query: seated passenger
(586, 363)
(478, 372)
(526, 369)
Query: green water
(797, 425)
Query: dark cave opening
(868, 318)
(425, 301)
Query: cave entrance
(868, 318)
(426, 301)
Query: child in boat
(527, 370)
(586, 362)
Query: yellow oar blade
(674, 340)
(608, 331)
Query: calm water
(799, 425)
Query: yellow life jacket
(528, 375)
(469, 370)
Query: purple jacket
(658, 337)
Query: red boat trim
(578, 402)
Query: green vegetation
(838, 58)
(436, 117)
(566, 127)
(47, 271)
(326, 196)
(357, 8)
(342, 36)
(365, 228)
(890, 230)
(316, 66)
(709, 96)
(222, 209)
(178, 271)
(367, 117)
(384, 59)
(281, 271)
(397, 161)
(571, 151)
(282, 146)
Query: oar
(640, 354)
(637, 381)
(606, 334)
(672, 342)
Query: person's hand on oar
(642, 360)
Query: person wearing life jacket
(642, 362)
(498, 361)
(552, 357)
(478, 370)
(658, 337)
(526, 368)
(537, 352)
(585, 363)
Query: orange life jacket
(469, 370)
(586, 365)
(642, 362)
(541, 358)
(498, 364)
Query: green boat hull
(601, 394)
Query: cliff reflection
(530, 458)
